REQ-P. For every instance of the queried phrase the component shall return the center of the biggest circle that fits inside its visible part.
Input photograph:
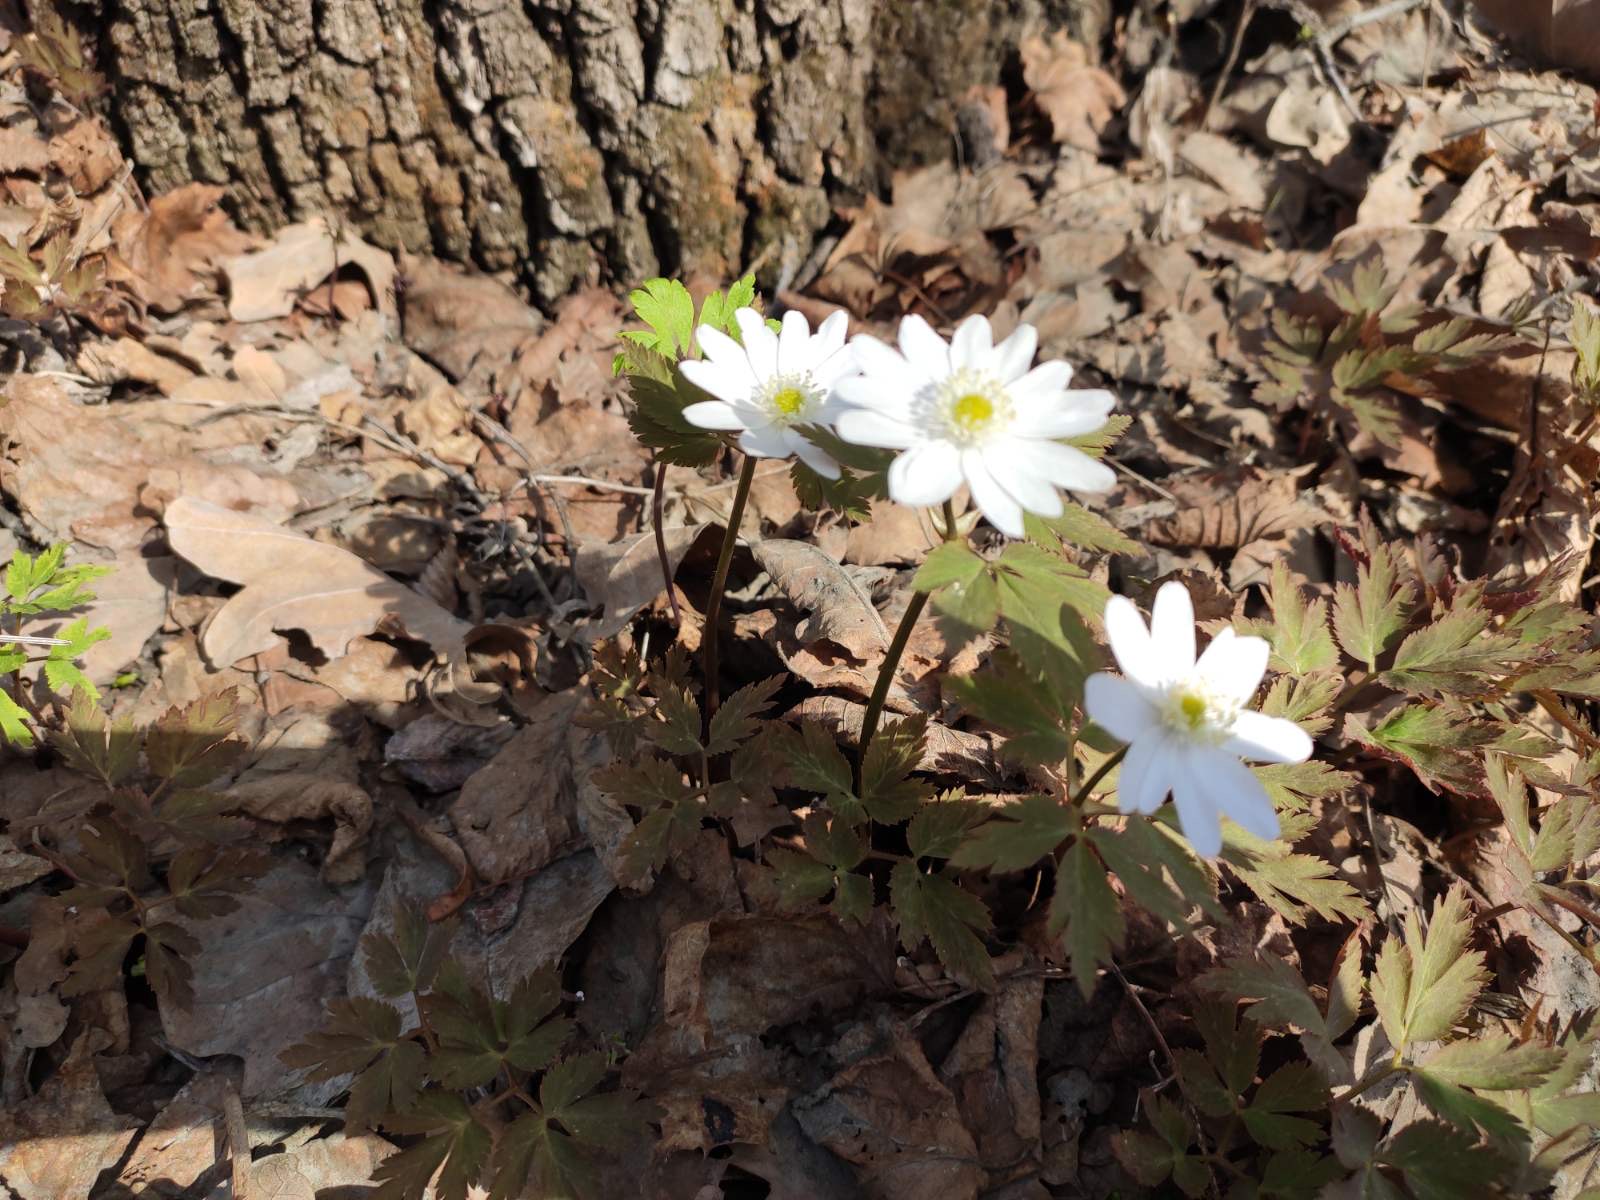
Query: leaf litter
(320, 472)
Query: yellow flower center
(789, 401)
(1193, 709)
(972, 411)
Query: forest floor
(389, 512)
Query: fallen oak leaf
(292, 582)
(1079, 99)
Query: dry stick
(658, 500)
(902, 635)
(238, 1141)
(719, 581)
(1246, 11)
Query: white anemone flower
(1186, 721)
(772, 384)
(969, 411)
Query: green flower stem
(1105, 769)
(902, 635)
(719, 581)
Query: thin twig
(657, 507)
(604, 485)
(1246, 11)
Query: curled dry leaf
(292, 582)
(267, 282)
(170, 253)
(624, 576)
(841, 610)
(305, 796)
(1079, 99)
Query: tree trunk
(558, 138)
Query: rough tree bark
(555, 137)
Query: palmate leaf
(478, 1036)
(1159, 871)
(737, 718)
(1370, 615)
(1425, 982)
(1292, 1088)
(889, 791)
(647, 783)
(455, 1148)
(63, 674)
(813, 760)
(656, 419)
(1292, 885)
(408, 957)
(1077, 526)
(91, 743)
(1281, 998)
(933, 906)
(666, 307)
(1454, 654)
(362, 1036)
(1434, 743)
(193, 744)
(1440, 1162)
(206, 883)
(168, 947)
(1298, 631)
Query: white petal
(1120, 708)
(1036, 495)
(1131, 645)
(1062, 414)
(971, 343)
(794, 344)
(721, 349)
(1197, 814)
(724, 380)
(867, 428)
(1234, 665)
(925, 351)
(713, 414)
(765, 441)
(1065, 466)
(829, 371)
(996, 504)
(877, 359)
(1044, 382)
(925, 475)
(814, 456)
(831, 334)
(760, 343)
(1144, 779)
(1012, 357)
(1268, 739)
(1172, 627)
(1236, 792)
(876, 393)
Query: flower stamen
(791, 399)
(972, 406)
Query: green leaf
(934, 907)
(1299, 633)
(814, 761)
(1368, 616)
(1077, 526)
(888, 791)
(193, 744)
(407, 958)
(1433, 742)
(799, 879)
(1086, 908)
(678, 731)
(362, 1036)
(1018, 835)
(940, 826)
(456, 1149)
(14, 720)
(1159, 871)
(667, 308)
(206, 883)
(1466, 1110)
(647, 783)
(949, 564)
(1292, 885)
(1425, 983)
(737, 718)
(1292, 1088)
(1454, 654)
(94, 745)
(1005, 694)
(656, 419)
(1494, 1062)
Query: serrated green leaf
(950, 564)
(667, 308)
(647, 783)
(737, 718)
(1494, 1062)
(1292, 885)
(1292, 1088)
(1425, 982)
(14, 721)
(940, 826)
(934, 907)
(889, 793)
(1453, 654)
(1298, 633)
(193, 744)
(1085, 908)
(678, 731)
(1077, 526)
(1005, 694)
(1159, 871)
(1465, 1109)
(452, 1155)
(813, 759)
(408, 958)
(1018, 835)
(1370, 615)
